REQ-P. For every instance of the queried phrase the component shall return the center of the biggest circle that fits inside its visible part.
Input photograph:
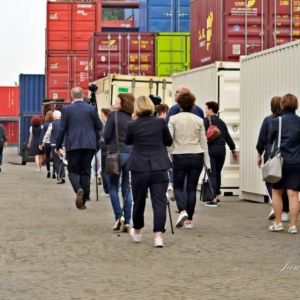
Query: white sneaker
(182, 217)
(119, 223)
(276, 227)
(158, 242)
(285, 217)
(137, 238)
(293, 230)
(188, 224)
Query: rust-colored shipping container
(70, 25)
(224, 30)
(9, 101)
(118, 23)
(121, 53)
(11, 132)
(64, 71)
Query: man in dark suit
(79, 126)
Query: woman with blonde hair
(149, 163)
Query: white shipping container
(269, 73)
(218, 82)
(109, 87)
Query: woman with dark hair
(189, 152)
(123, 107)
(149, 163)
(34, 139)
(264, 150)
(217, 149)
(290, 151)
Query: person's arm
(46, 138)
(109, 128)
(171, 128)
(262, 142)
(167, 138)
(204, 146)
(30, 137)
(63, 129)
(4, 137)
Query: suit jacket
(80, 125)
(149, 137)
(175, 109)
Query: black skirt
(290, 178)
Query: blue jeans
(114, 182)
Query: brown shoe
(82, 207)
(79, 199)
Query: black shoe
(48, 175)
(53, 176)
(213, 203)
(0, 169)
(62, 181)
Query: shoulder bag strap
(117, 132)
(279, 133)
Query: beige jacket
(188, 133)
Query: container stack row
(9, 112)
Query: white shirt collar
(77, 100)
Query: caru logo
(205, 34)
(251, 3)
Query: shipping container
(9, 101)
(273, 72)
(110, 86)
(32, 93)
(65, 71)
(11, 132)
(118, 23)
(172, 53)
(164, 16)
(219, 82)
(121, 53)
(70, 25)
(225, 30)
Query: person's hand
(56, 151)
(28, 145)
(134, 116)
(258, 161)
(234, 156)
(41, 147)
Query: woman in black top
(149, 163)
(216, 148)
(290, 151)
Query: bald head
(181, 90)
(77, 93)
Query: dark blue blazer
(80, 125)
(149, 137)
(175, 109)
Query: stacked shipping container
(69, 26)
(9, 112)
(225, 30)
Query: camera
(93, 88)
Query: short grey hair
(77, 92)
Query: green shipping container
(173, 51)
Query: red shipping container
(118, 23)
(121, 53)
(9, 101)
(222, 30)
(70, 25)
(11, 132)
(284, 22)
(65, 71)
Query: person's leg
(196, 165)
(37, 162)
(285, 201)
(114, 195)
(140, 183)
(294, 206)
(220, 159)
(47, 151)
(74, 158)
(125, 188)
(158, 190)
(103, 174)
(1, 156)
(56, 163)
(277, 204)
(213, 173)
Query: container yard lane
(51, 250)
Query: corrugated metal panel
(164, 16)
(12, 132)
(273, 72)
(218, 82)
(32, 93)
(9, 101)
(172, 53)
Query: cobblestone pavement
(51, 250)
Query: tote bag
(207, 191)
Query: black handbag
(113, 158)
(207, 191)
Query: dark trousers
(105, 178)
(285, 198)
(186, 167)
(1, 155)
(217, 156)
(47, 152)
(157, 182)
(58, 166)
(79, 168)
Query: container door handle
(291, 20)
(139, 39)
(120, 59)
(75, 70)
(275, 23)
(128, 54)
(108, 50)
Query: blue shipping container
(32, 93)
(164, 16)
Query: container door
(59, 29)
(9, 101)
(59, 68)
(284, 21)
(139, 54)
(245, 28)
(108, 57)
(83, 25)
(229, 101)
(161, 16)
(80, 72)
(12, 132)
(182, 15)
